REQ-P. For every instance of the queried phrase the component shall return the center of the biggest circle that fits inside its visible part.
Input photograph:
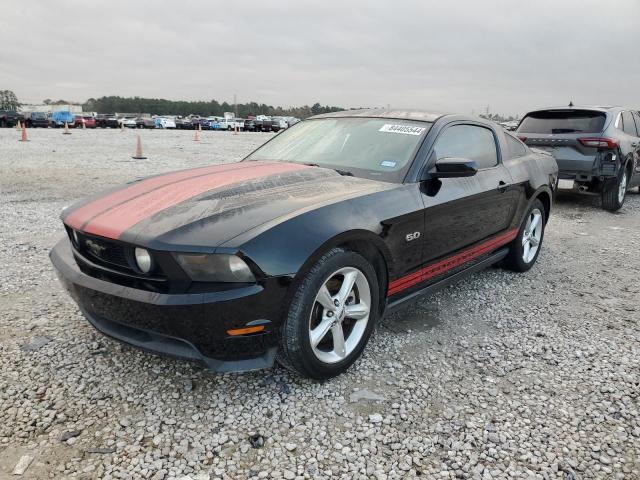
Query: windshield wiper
(344, 173)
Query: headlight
(143, 260)
(215, 267)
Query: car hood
(199, 209)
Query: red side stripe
(84, 214)
(114, 222)
(451, 262)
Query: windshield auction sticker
(404, 129)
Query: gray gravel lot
(502, 376)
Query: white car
(129, 122)
(282, 122)
(231, 123)
(163, 122)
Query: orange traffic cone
(84, 124)
(24, 134)
(66, 129)
(235, 130)
(196, 136)
(139, 155)
(19, 125)
(121, 126)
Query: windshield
(559, 121)
(377, 148)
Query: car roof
(418, 115)
(597, 108)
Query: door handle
(502, 187)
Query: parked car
(209, 123)
(37, 119)
(291, 121)
(145, 122)
(107, 120)
(128, 122)
(9, 118)
(183, 123)
(298, 250)
(249, 126)
(258, 125)
(88, 120)
(58, 118)
(199, 122)
(231, 123)
(163, 122)
(281, 123)
(597, 148)
(226, 124)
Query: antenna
(571, 103)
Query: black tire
(295, 351)
(515, 259)
(610, 197)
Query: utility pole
(235, 105)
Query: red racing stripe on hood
(115, 221)
(82, 215)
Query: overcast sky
(447, 55)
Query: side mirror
(453, 168)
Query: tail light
(599, 142)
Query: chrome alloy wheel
(622, 188)
(532, 235)
(340, 315)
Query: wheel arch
(363, 242)
(545, 198)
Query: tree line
(8, 100)
(161, 106)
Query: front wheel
(331, 316)
(525, 248)
(613, 196)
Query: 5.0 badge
(412, 236)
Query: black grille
(104, 251)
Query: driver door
(465, 211)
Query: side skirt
(445, 282)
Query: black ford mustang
(295, 252)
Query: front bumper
(191, 326)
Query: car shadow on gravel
(419, 316)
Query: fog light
(143, 260)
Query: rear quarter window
(563, 121)
(629, 125)
(516, 147)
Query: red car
(89, 122)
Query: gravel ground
(501, 376)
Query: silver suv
(597, 148)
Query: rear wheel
(524, 250)
(331, 316)
(613, 197)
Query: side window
(468, 141)
(516, 147)
(636, 117)
(628, 125)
